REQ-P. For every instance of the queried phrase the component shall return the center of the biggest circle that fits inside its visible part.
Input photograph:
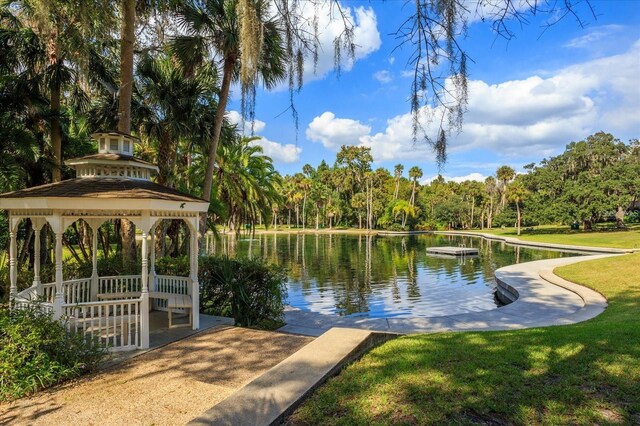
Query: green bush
(250, 290)
(37, 352)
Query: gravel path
(167, 386)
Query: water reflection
(382, 276)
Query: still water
(383, 276)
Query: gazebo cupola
(114, 159)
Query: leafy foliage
(37, 352)
(250, 290)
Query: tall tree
(216, 24)
(415, 173)
(398, 169)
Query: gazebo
(112, 184)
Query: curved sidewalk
(543, 299)
(519, 242)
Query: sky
(528, 97)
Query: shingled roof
(120, 188)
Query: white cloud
(478, 177)
(235, 117)
(334, 132)
(533, 117)
(278, 152)
(383, 76)
(392, 60)
(593, 35)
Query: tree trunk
(620, 217)
(587, 225)
(359, 219)
(490, 214)
(127, 41)
(227, 75)
(56, 134)
(413, 193)
(304, 215)
(473, 203)
(519, 216)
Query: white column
(94, 262)
(193, 266)
(144, 305)
(59, 299)
(36, 261)
(152, 269)
(13, 273)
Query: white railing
(172, 285)
(120, 284)
(49, 292)
(76, 291)
(28, 294)
(114, 324)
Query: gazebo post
(13, 273)
(152, 269)
(94, 224)
(58, 228)
(144, 226)
(193, 266)
(37, 229)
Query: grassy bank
(587, 373)
(601, 237)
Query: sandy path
(166, 386)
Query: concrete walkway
(553, 246)
(169, 385)
(539, 302)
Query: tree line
(593, 180)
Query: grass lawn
(603, 236)
(587, 373)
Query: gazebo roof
(99, 193)
(108, 157)
(112, 181)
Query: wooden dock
(453, 251)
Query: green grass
(603, 236)
(587, 373)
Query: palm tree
(170, 109)
(247, 184)
(215, 24)
(505, 174)
(415, 173)
(398, 169)
(358, 202)
(404, 208)
(67, 32)
(490, 188)
(516, 194)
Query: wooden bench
(174, 301)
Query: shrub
(250, 290)
(36, 352)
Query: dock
(453, 251)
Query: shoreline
(509, 240)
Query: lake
(383, 276)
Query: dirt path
(166, 386)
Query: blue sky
(528, 97)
